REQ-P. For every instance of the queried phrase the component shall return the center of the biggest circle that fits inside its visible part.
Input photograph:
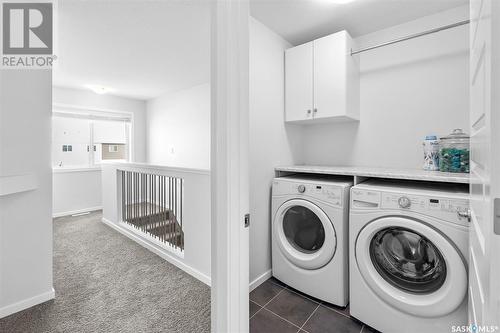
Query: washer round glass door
(408, 260)
(411, 266)
(305, 234)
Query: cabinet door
(330, 76)
(299, 82)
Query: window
(85, 141)
(110, 140)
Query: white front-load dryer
(408, 256)
(309, 236)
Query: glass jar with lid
(454, 152)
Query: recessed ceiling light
(98, 89)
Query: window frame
(65, 111)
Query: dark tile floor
(275, 307)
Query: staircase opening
(153, 206)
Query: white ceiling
(300, 21)
(142, 49)
(138, 49)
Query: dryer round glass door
(411, 266)
(305, 234)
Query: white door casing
(438, 303)
(303, 260)
(229, 165)
(484, 248)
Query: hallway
(105, 282)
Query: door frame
(484, 241)
(229, 165)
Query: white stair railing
(165, 209)
(153, 205)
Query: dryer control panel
(328, 193)
(445, 208)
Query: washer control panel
(445, 208)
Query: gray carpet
(105, 282)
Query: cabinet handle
(315, 110)
(308, 111)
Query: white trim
(77, 211)
(163, 253)
(68, 170)
(27, 303)
(159, 168)
(229, 165)
(17, 183)
(125, 119)
(261, 279)
(78, 109)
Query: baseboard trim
(160, 252)
(78, 211)
(27, 303)
(260, 279)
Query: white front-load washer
(408, 256)
(309, 236)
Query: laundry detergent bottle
(431, 153)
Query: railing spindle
(175, 212)
(153, 205)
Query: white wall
(272, 142)
(178, 126)
(78, 191)
(408, 90)
(25, 218)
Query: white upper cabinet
(299, 82)
(322, 81)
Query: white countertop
(408, 174)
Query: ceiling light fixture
(338, 2)
(98, 89)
